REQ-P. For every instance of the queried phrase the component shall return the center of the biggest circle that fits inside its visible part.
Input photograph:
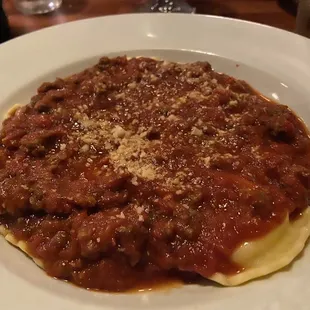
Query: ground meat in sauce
(135, 169)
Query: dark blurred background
(4, 27)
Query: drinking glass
(37, 6)
(167, 6)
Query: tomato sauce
(134, 172)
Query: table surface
(262, 11)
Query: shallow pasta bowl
(274, 62)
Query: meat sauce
(138, 171)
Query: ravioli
(259, 258)
(270, 253)
(137, 171)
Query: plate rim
(209, 16)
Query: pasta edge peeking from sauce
(148, 212)
(273, 252)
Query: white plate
(275, 62)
